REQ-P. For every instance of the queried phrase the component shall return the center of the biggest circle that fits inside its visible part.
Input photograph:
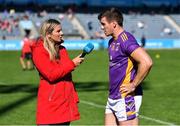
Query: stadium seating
(176, 18)
(152, 26)
(89, 22)
(68, 28)
(9, 27)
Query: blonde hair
(47, 28)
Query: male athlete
(129, 64)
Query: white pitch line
(156, 120)
(141, 116)
(92, 104)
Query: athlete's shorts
(125, 108)
(27, 56)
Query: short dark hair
(112, 14)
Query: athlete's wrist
(133, 85)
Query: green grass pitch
(161, 102)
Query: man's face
(106, 26)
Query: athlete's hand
(127, 88)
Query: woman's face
(57, 34)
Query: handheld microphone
(87, 49)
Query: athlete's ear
(114, 24)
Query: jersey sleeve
(130, 45)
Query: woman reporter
(57, 99)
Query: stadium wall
(98, 44)
(94, 2)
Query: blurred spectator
(3, 37)
(143, 41)
(6, 27)
(70, 13)
(61, 16)
(89, 24)
(26, 54)
(42, 13)
(12, 12)
(99, 35)
(5, 14)
(102, 36)
(25, 17)
(140, 24)
(167, 30)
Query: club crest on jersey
(115, 46)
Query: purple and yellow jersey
(122, 68)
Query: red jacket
(57, 98)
